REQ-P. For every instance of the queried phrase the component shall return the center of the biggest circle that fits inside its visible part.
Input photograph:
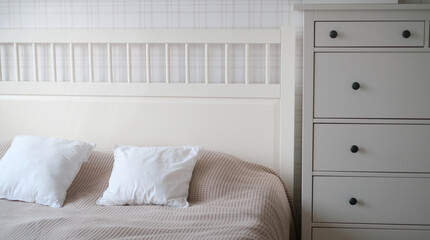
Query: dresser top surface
(356, 7)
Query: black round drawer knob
(333, 34)
(406, 34)
(355, 85)
(353, 201)
(354, 148)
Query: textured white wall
(147, 14)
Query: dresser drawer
(371, 148)
(369, 34)
(391, 85)
(368, 234)
(379, 200)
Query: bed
(229, 199)
(239, 188)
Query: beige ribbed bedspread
(229, 199)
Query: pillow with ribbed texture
(40, 169)
(151, 175)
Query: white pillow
(151, 175)
(40, 170)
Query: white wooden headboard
(252, 121)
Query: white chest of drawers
(366, 122)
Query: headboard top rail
(271, 36)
